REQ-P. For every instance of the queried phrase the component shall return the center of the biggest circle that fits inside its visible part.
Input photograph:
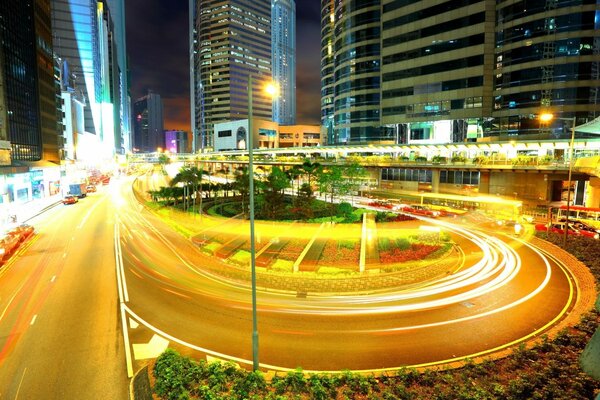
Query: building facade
(148, 131)
(232, 41)
(176, 141)
(449, 72)
(85, 34)
(28, 74)
(283, 34)
(123, 112)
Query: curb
(139, 385)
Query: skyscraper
(431, 72)
(148, 131)
(85, 35)
(232, 42)
(283, 34)
(28, 80)
(117, 8)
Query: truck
(78, 189)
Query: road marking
(133, 323)
(128, 360)
(33, 320)
(152, 349)
(20, 383)
(53, 279)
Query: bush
(174, 375)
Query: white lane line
(20, 383)
(128, 359)
(33, 320)
(53, 279)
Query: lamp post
(547, 118)
(271, 90)
(255, 362)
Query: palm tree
(189, 177)
(312, 170)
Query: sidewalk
(17, 214)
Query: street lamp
(547, 117)
(270, 89)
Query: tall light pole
(255, 362)
(547, 118)
(271, 90)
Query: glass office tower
(28, 77)
(547, 58)
(232, 42)
(456, 70)
(283, 34)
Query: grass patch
(281, 265)
(241, 257)
(211, 247)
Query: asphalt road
(61, 325)
(60, 335)
(500, 297)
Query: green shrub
(402, 243)
(173, 375)
(384, 244)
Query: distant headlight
(596, 236)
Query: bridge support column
(435, 181)
(484, 182)
(593, 193)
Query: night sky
(157, 46)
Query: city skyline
(157, 43)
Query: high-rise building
(547, 57)
(176, 141)
(440, 72)
(232, 42)
(85, 34)
(148, 131)
(30, 94)
(117, 8)
(283, 35)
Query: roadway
(70, 317)
(507, 293)
(60, 334)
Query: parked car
(22, 232)
(8, 244)
(70, 199)
(559, 227)
(417, 209)
(91, 188)
(582, 226)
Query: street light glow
(546, 117)
(272, 89)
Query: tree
(331, 181)
(293, 174)
(241, 183)
(312, 171)
(273, 192)
(163, 160)
(190, 178)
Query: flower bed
(401, 253)
(291, 251)
(340, 252)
